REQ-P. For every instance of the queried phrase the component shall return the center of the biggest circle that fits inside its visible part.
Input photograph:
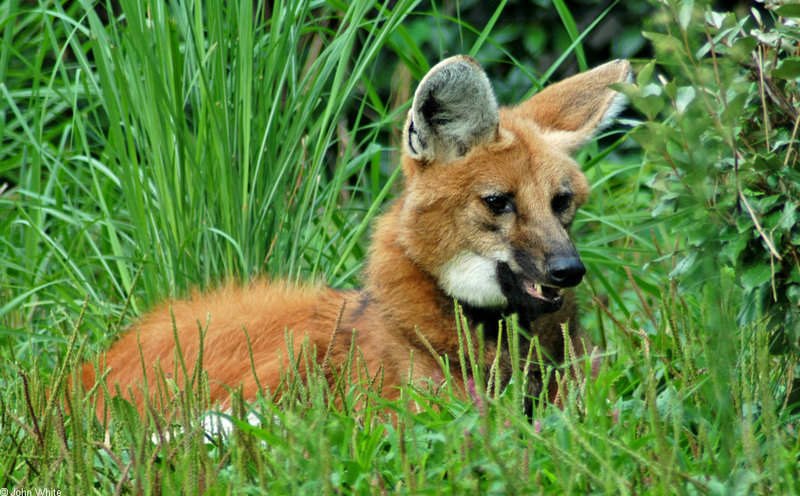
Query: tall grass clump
(167, 146)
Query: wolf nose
(566, 272)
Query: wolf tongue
(534, 290)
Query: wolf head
(491, 192)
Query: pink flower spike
(473, 393)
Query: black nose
(565, 272)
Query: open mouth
(526, 294)
(546, 293)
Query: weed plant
(150, 147)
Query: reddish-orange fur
(434, 220)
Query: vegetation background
(150, 147)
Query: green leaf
(768, 162)
(653, 136)
(684, 265)
(650, 102)
(790, 216)
(744, 223)
(663, 42)
(789, 10)
(732, 249)
(715, 19)
(685, 14)
(789, 68)
(645, 74)
(795, 236)
(793, 294)
(756, 276)
(684, 97)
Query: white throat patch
(472, 279)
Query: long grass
(149, 147)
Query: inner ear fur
(454, 110)
(577, 107)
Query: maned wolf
(489, 197)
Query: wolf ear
(571, 111)
(454, 109)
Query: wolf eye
(499, 204)
(560, 203)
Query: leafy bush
(721, 103)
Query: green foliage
(657, 422)
(721, 101)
